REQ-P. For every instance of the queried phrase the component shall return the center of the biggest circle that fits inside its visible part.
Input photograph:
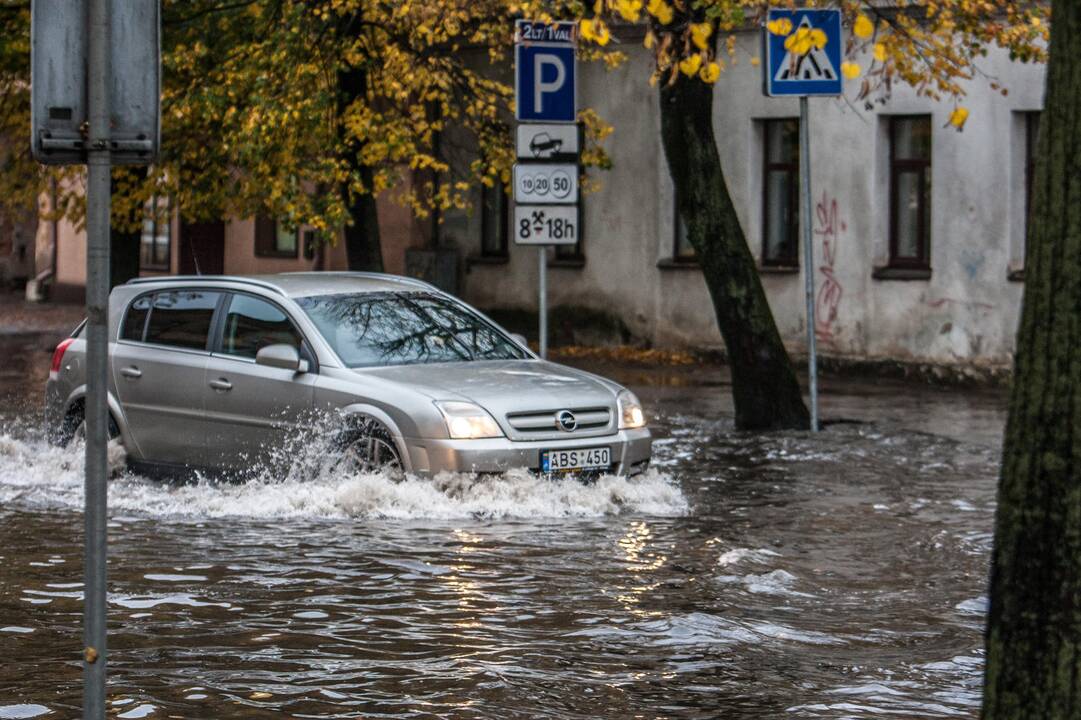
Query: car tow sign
(547, 141)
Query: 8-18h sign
(546, 224)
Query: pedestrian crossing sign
(802, 50)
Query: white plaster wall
(966, 311)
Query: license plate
(598, 458)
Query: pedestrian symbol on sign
(812, 65)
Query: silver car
(223, 372)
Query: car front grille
(546, 421)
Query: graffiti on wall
(829, 227)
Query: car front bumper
(631, 451)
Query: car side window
(181, 318)
(135, 319)
(252, 324)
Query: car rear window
(135, 319)
(181, 318)
(373, 329)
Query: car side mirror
(281, 356)
(520, 339)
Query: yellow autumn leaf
(585, 29)
(755, 61)
(700, 33)
(601, 32)
(863, 27)
(880, 52)
(818, 38)
(799, 42)
(629, 9)
(689, 65)
(958, 117)
(710, 73)
(780, 26)
(850, 70)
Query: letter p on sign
(545, 83)
(542, 86)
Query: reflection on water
(746, 577)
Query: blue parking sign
(814, 68)
(545, 82)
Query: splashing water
(34, 473)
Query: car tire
(366, 446)
(116, 455)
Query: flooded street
(841, 575)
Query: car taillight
(58, 357)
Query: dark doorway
(202, 248)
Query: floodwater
(841, 575)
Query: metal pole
(542, 269)
(98, 203)
(808, 252)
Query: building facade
(918, 229)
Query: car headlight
(630, 411)
(466, 421)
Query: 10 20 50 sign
(546, 224)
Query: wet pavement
(841, 575)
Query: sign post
(95, 100)
(98, 223)
(802, 49)
(546, 175)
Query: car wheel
(80, 431)
(116, 455)
(368, 447)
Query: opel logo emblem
(566, 421)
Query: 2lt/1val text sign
(545, 82)
(546, 224)
(803, 52)
(549, 183)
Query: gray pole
(98, 202)
(542, 269)
(808, 251)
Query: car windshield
(387, 328)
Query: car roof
(300, 284)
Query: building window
(155, 243)
(910, 192)
(274, 239)
(493, 221)
(682, 249)
(1032, 127)
(780, 196)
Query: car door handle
(221, 384)
(131, 372)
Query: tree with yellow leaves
(933, 45)
(303, 110)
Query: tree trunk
(362, 242)
(123, 248)
(1034, 624)
(764, 386)
(123, 257)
